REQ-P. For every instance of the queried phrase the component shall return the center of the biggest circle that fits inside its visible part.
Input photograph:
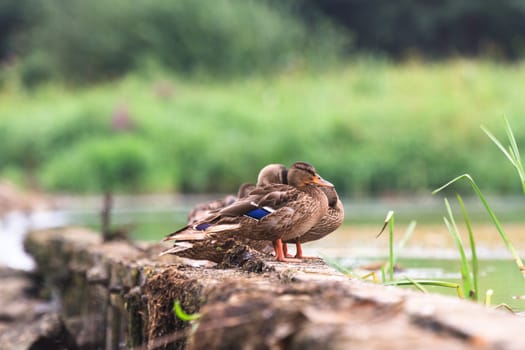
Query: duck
(274, 212)
(331, 221)
(270, 174)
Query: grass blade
(465, 270)
(333, 263)
(372, 274)
(500, 146)
(514, 146)
(387, 220)
(474, 258)
(513, 154)
(417, 285)
(391, 248)
(408, 233)
(445, 284)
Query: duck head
(244, 189)
(302, 174)
(331, 195)
(272, 174)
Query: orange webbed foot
(279, 252)
(285, 251)
(299, 252)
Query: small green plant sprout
(389, 220)
(177, 310)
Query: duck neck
(316, 193)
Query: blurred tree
(93, 40)
(433, 27)
(85, 41)
(106, 165)
(13, 18)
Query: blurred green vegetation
(197, 96)
(371, 127)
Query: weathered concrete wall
(116, 295)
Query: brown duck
(329, 222)
(274, 212)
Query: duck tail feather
(224, 227)
(178, 247)
(187, 236)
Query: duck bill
(319, 181)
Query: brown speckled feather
(214, 249)
(333, 218)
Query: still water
(430, 253)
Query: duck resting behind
(274, 212)
(333, 218)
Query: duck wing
(261, 202)
(246, 213)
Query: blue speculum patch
(257, 213)
(202, 227)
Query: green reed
(467, 278)
(512, 154)
(470, 279)
(492, 216)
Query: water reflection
(14, 227)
